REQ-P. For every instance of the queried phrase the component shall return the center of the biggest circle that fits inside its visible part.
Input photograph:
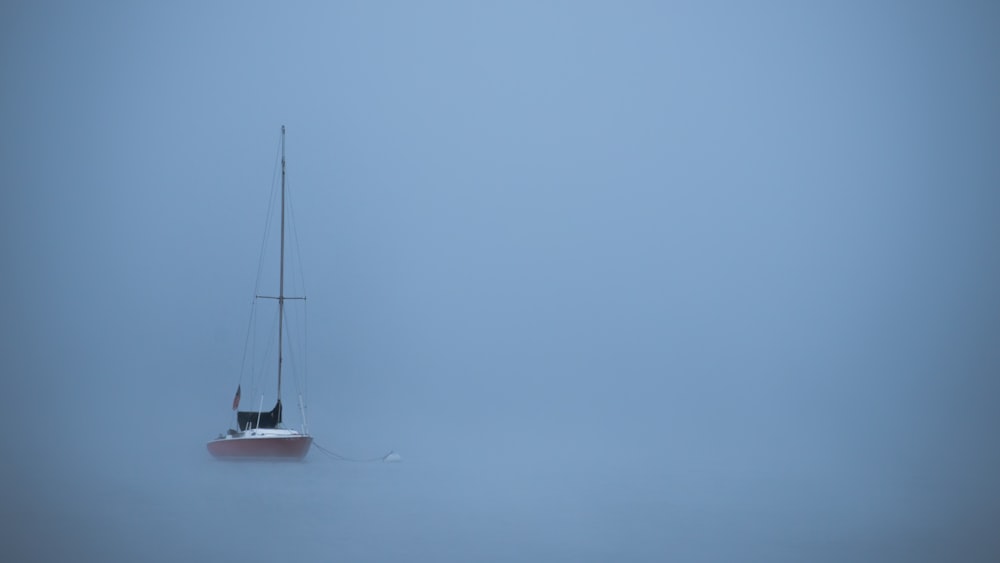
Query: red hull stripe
(295, 447)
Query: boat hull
(260, 446)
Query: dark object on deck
(248, 419)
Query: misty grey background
(637, 281)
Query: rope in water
(337, 456)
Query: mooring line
(391, 456)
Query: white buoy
(392, 457)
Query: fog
(619, 281)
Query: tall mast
(281, 281)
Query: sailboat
(260, 434)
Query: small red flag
(236, 399)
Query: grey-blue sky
(753, 238)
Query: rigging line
(292, 341)
(246, 340)
(247, 348)
(299, 285)
(290, 197)
(305, 350)
(295, 239)
(297, 349)
(335, 455)
(259, 348)
(253, 339)
(266, 357)
(263, 243)
(269, 219)
(299, 371)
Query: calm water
(494, 507)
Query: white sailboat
(261, 434)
